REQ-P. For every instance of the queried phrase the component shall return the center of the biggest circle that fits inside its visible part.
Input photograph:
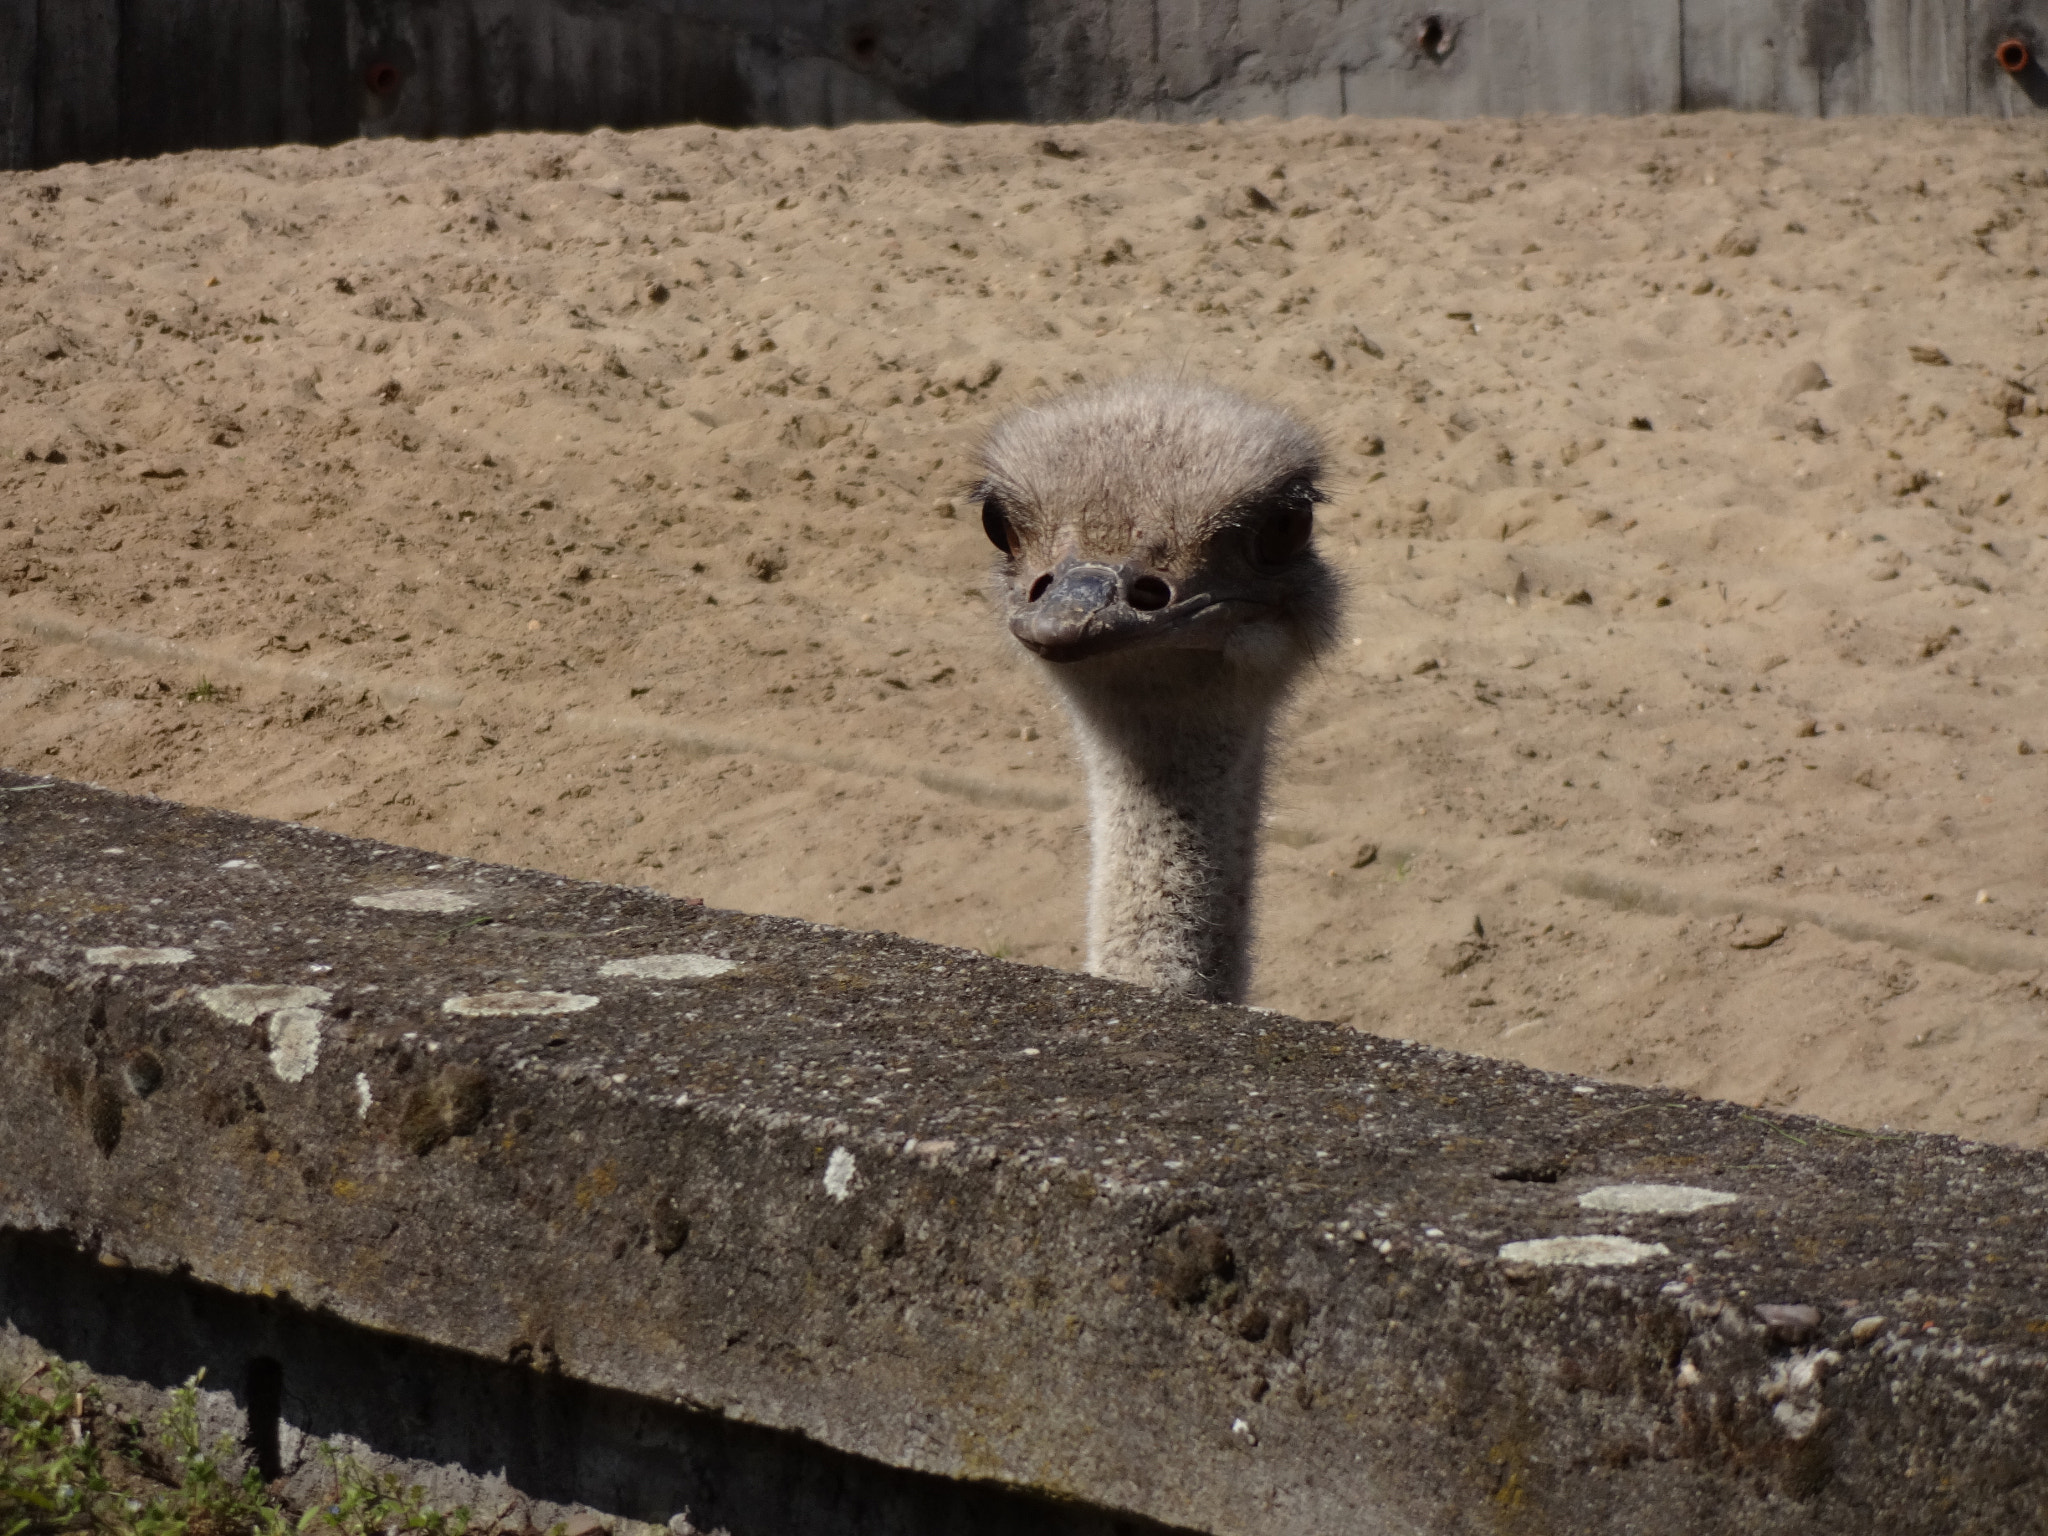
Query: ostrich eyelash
(1290, 493)
(995, 519)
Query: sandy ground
(596, 504)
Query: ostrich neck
(1174, 801)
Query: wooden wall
(89, 79)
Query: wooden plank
(476, 58)
(17, 84)
(91, 78)
(1183, 61)
(580, 74)
(1744, 56)
(315, 96)
(1992, 92)
(1068, 65)
(1887, 56)
(1506, 58)
(385, 33)
(78, 104)
(438, 98)
(200, 74)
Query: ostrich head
(1158, 558)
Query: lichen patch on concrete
(841, 1174)
(423, 899)
(515, 1005)
(244, 1002)
(1594, 1252)
(1655, 1199)
(679, 967)
(295, 1042)
(124, 955)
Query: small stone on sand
(1808, 376)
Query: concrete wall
(623, 1202)
(88, 79)
(520, 1448)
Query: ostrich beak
(1087, 611)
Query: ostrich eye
(1283, 531)
(995, 522)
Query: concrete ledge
(1029, 1233)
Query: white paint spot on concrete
(1586, 1252)
(122, 955)
(294, 1042)
(1584, 1089)
(245, 1002)
(517, 1005)
(1655, 1199)
(425, 899)
(364, 1098)
(840, 1174)
(682, 967)
(239, 864)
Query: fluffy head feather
(1159, 514)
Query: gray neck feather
(1174, 796)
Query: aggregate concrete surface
(1207, 1265)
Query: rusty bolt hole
(2014, 55)
(1434, 39)
(383, 78)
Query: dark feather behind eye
(1282, 526)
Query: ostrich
(1156, 557)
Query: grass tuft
(70, 1467)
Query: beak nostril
(1149, 594)
(1038, 587)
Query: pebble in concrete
(424, 899)
(123, 955)
(517, 1005)
(1793, 1387)
(1586, 1252)
(1794, 1322)
(681, 967)
(1654, 1199)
